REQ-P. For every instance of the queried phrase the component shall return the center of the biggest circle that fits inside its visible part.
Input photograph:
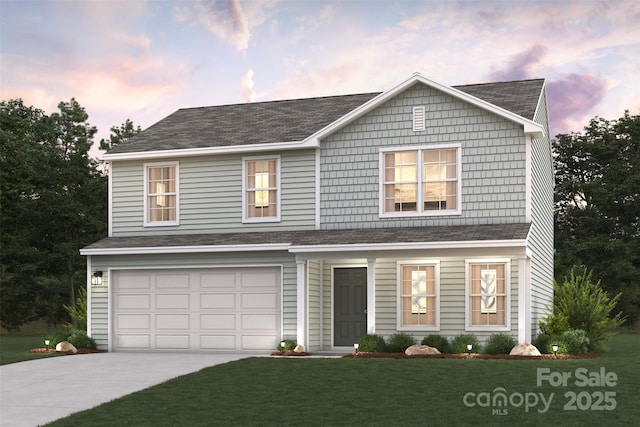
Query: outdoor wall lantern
(356, 346)
(554, 347)
(96, 278)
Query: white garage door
(196, 310)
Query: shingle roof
(520, 97)
(293, 120)
(464, 233)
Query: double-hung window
(418, 298)
(261, 189)
(161, 194)
(487, 283)
(421, 181)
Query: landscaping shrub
(288, 345)
(459, 343)
(54, 338)
(578, 303)
(371, 343)
(499, 344)
(78, 312)
(576, 341)
(438, 341)
(81, 340)
(399, 342)
(544, 341)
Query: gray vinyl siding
(99, 295)
(541, 234)
(452, 297)
(211, 195)
(314, 306)
(493, 162)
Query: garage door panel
(133, 321)
(172, 342)
(218, 321)
(220, 280)
(133, 281)
(259, 322)
(259, 301)
(133, 301)
(172, 281)
(218, 342)
(134, 342)
(226, 309)
(172, 301)
(218, 301)
(172, 321)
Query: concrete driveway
(44, 390)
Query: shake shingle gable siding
(502, 232)
(293, 120)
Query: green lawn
(14, 348)
(384, 392)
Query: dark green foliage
(54, 338)
(371, 343)
(399, 342)
(459, 343)
(575, 341)
(119, 135)
(578, 303)
(544, 341)
(80, 340)
(438, 341)
(597, 174)
(288, 345)
(499, 344)
(78, 312)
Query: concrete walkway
(44, 390)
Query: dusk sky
(142, 60)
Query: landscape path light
(356, 346)
(554, 347)
(469, 347)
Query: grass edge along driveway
(276, 391)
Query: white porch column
(371, 295)
(301, 301)
(524, 300)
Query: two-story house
(424, 208)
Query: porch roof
(306, 240)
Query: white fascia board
(190, 152)
(186, 249)
(409, 246)
(530, 127)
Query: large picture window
(418, 295)
(488, 290)
(261, 190)
(423, 181)
(161, 194)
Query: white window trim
(245, 218)
(436, 266)
(467, 295)
(419, 203)
(146, 167)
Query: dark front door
(350, 305)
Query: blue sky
(144, 59)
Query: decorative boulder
(66, 346)
(418, 349)
(299, 349)
(525, 349)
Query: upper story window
(422, 181)
(261, 189)
(161, 194)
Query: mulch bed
(371, 355)
(53, 350)
(289, 353)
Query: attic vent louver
(418, 119)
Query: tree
(119, 135)
(53, 203)
(597, 206)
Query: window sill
(260, 220)
(489, 328)
(419, 328)
(420, 214)
(161, 224)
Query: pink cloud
(520, 65)
(571, 100)
(246, 86)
